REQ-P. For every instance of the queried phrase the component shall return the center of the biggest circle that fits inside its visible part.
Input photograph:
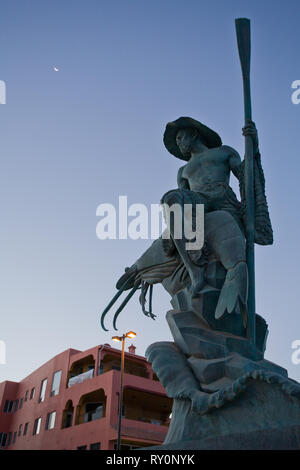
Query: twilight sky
(82, 136)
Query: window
(81, 448)
(93, 411)
(21, 403)
(95, 446)
(55, 383)
(8, 406)
(3, 437)
(126, 447)
(9, 439)
(156, 421)
(43, 390)
(26, 395)
(16, 405)
(25, 429)
(37, 426)
(69, 419)
(32, 393)
(15, 437)
(50, 421)
(20, 430)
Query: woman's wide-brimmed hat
(210, 138)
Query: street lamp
(129, 334)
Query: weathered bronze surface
(215, 369)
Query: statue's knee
(171, 197)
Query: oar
(242, 26)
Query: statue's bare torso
(210, 166)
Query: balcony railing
(81, 378)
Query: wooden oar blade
(242, 27)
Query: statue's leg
(182, 197)
(226, 240)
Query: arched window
(67, 419)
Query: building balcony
(77, 379)
(143, 430)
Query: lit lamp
(117, 339)
(129, 334)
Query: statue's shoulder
(180, 173)
(181, 180)
(229, 151)
(180, 170)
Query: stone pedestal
(262, 416)
(226, 395)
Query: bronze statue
(204, 179)
(219, 340)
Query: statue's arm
(182, 182)
(237, 167)
(235, 161)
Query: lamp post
(129, 334)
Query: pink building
(71, 402)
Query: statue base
(262, 417)
(270, 439)
(226, 395)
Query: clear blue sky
(93, 131)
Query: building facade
(71, 402)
